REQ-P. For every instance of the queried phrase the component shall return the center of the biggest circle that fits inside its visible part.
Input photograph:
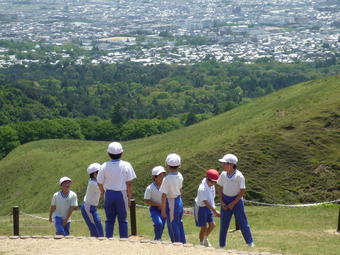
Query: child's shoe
(251, 244)
(206, 243)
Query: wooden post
(338, 230)
(15, 220)
(133, 217)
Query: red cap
(212, 174)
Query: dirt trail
(93, 246)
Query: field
(307, 230)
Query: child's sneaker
(202, 243)
(206, 243)
(251, 244)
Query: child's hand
(64, 222)
(50, 219)
(224, 206)
(217, 213)
(164, 214)
(230, 206)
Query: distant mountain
(287, 143)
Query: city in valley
(169, 31)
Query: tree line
(129, 100)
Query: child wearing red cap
(205, 206)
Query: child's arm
(220, 194)
(69, 213)
(238, 198)
(52, 209)
(207, 204)
(129, 191)
(163, 205)
(149, 202)
(101, 188)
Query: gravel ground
(93, 246)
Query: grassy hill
(287, 144)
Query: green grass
(287, 143)
(280, 230)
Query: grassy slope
(287, 143)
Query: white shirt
(172, 184)
(92, 193)
(232, 185)
(63, 204)
(152, 193)
(114, 175)
(205, 192)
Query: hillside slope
(287, 143)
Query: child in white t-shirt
(172, 204)
(231, 191)
(91, 201)
(205, 206)
(153, 197)
(62, 205)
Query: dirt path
(93, 246)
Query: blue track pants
(115, 205)
(92, 220)
(60, 228)
(241, 218)
(158, 222)
(174, 211)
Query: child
(91, 200)
(115, 179)
(172, 205)
(205, 206)
(62, 206)
(231, 192)
(153, 197)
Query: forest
(129, 100)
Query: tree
(191, 119)
(8, 140)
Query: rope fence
(186, 211)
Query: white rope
(295, 205)
(42, 218)
(190, 210)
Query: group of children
(114, 179)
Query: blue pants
(158, 222)
(60, 228)
(241, 218)
(115, 205)
(92, 220)
(203, 215)
(174, 211)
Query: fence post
(338, 230)
(133, 217)
(15, 220)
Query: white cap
(157, 170)
(115, 148)
(173, 160)
(229, 158)
(93, 168)
(64, 179)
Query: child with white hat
(91, 200)
(115, 179)
(172, 204)
(205, 206)
(153, 197)
(62, 205)
(231, 193)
